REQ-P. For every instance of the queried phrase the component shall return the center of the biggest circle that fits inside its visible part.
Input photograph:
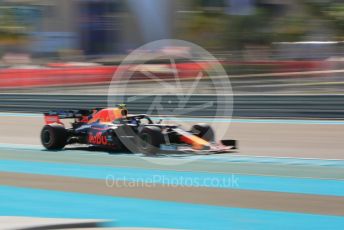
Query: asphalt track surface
(287, 174)
(279, 138)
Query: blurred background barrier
(261, 106)
(25, 78)
(74, 73)
(266, 47)
(18, 78)
(96, 80)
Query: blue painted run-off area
(130, 212)
(201, 179)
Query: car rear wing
(55, 116)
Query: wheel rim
(146, 140)
(46, 137)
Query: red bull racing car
(115, 129)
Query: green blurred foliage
(336, 13)
(251, 29)
(289, 29)
(206, 29)
(16, 22)
(331, 11)
(11, 29)
(211, 27)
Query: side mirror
(160, 121)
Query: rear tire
(150, 139)
(54, 137)
(203, 131)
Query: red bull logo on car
(97, 139)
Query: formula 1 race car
(115, 129)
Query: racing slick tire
(203, 131)
(150, 139)
(54, 137)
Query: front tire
(54, 137)
(150, 139)
(203, 131)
